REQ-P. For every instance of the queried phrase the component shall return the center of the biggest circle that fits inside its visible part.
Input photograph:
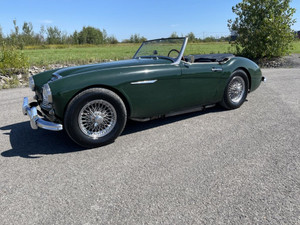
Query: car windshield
(169, 48)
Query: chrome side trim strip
(144, 82)
(216, 69)
(57, 75)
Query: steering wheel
(175, 50)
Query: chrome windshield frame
(178, 60)
(181, 52)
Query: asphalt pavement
(211, 167)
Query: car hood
(108, 65)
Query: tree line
(25, 36)
(194, 39)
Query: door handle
(187, 65)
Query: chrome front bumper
(36, 121)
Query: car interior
(208, 58)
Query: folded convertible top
(212, 57)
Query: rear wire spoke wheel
(95, 117)
(236, 90)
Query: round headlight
(31, 83)
(47, 95)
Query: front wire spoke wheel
(97, 118)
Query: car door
(153, 90)
(199, 83)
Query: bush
(12, 61)
(11, 82)
(112, 40)
(263, 28)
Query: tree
(14, 37)
(90, 35)
(263, 28)
(136, 38)
(16, 32)
(142, 39)
(1, 35)
(75, 38)
(133, 38)
(41, 35)
(174, 35)
(192, 37)
(53, 35)
(105, 37)
(28, 34)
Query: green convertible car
(93, 102)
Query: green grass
(296, 47)
(92, 54)
(80, 55)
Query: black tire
(95, 117)
(236, 90)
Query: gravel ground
(293, 60)
(290, 61)
(213, 167)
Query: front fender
(64, 89)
